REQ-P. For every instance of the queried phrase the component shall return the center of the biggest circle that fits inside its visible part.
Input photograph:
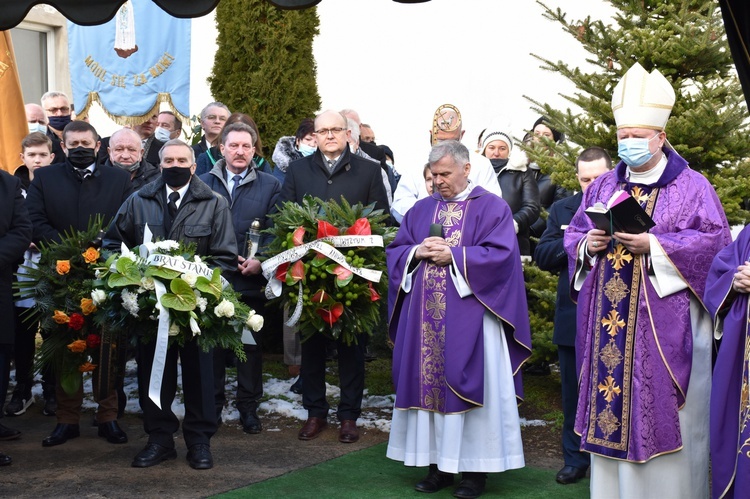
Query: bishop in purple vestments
(448, 291)
(643, 343)
(726, 297)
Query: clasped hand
(741, 283)
(435, 249)
(248, 266)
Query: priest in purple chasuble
(726, 297)
(460, 327)
(644, 336)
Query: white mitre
(642, 100)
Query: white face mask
(37, 127)
(162, 134)
(305, 149)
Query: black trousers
(24, 350)
(571, 442)
(351, 377)
(249, 373)
(199, 424)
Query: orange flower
(91, 255)
(63, 267)
(60, 317)
(78, 346)
(87, 306)
(86, 366)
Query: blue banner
(132, 63)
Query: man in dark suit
(64, 196)
(331, 172)
(550, 255)
(15, 236)
(251, 195)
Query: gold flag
(13, 126)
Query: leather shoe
(471, 485)
(151, 455)
(434, 481)
(112, 432)
(61, 434)
(570, 474)
(251, 423)
(5, 459)
(8, 433)
(199, 457)
(312, 428)
(348, 433)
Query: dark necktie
(236, 179)
(330, 164)
(172, 205)
(83, 173)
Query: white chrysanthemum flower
(148, 283)
(224, 309)
(194, 327)
(126, 253)
(255, 322)
(98, 296)
(130, 302)
(202, 303)
(190, 277)
(166, 245)
(174, 329)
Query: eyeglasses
(326, 131)
(55, 110)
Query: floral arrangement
(89, 299)
(201, 305)
(61, 286)
(327, 264)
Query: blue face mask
(305, 149)
(635, 152)
(37, 127)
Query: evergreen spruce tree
(264, 65)
(685, 40)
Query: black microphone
(436, 230)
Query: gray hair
(204, 112)
(238, 127)
(354, 128)
(176, 142)
(52, 94)
(124, 131)
(452, 148)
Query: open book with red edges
(621, 214)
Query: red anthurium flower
(332, 315)
(360, 228)
(320, 297)
(281, 271)
(374, 296)
(325, 229)
(343, 275)
(298, 235)
(297, 272)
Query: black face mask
(130, 168)
(498, 164)
(176, 176)
(82, 157)
(59, 122)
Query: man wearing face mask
(180, 207)
(644, 337)
(58, 113)
(125, 152)
(64, 196)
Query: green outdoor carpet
(368, 473)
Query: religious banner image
(132, 63)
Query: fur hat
(642, 100)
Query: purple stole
(611, 396)
(434, 389)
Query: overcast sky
(396, 63)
